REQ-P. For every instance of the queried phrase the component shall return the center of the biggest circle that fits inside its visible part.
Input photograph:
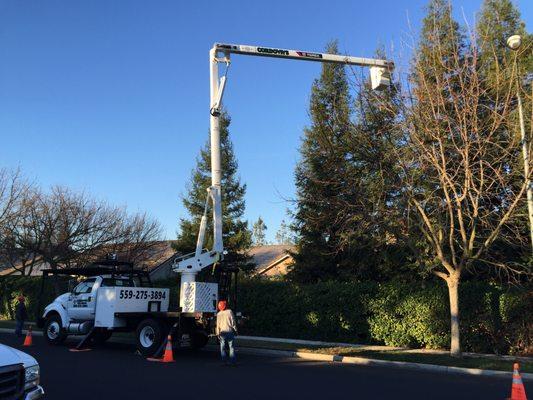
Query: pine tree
(349, 218)
(497, 21)
(258, 233)
(283, 235)
(371, 209)
(316, 177)
(236, 235)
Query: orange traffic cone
(168, 356)
(518, 392)
(28, 340)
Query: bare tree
(71, 228)
(460, 167)
(19, 234)
(15, 194)
(138, 242)
(12, 187)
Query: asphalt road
(115, 372)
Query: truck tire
(53, 331)
(198, 339)
(149, 335)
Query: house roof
(267, 256)
(148, 258)
(10, 267)
(161, 252)
(157, 254)
(144, 256)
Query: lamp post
(514, 43)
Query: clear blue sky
(112, 97)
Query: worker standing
(21, 314)
(226, 331)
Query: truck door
(82, 301)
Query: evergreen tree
(236, 235)
(441, 41)
(497, 21)
(372, 209)
(283, 235)
(349, 216)
(258, 233)
(322, 161)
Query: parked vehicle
(19, 375)
(114, 297)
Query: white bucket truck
(109, 301)
(114, 297)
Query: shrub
(409, 316)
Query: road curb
(299, 341)
(384, 363)
(348, 360)
(378, 347)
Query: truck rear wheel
(53, 330)
(148, 336)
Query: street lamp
(514, 43)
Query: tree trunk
(453, 292)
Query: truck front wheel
(53, 331)
(149, 335)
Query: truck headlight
(31, 377)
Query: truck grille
(11, 382)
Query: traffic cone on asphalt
(168, 356)
(28, 340)
(518, 392)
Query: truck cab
(81, 301)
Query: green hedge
(13, 286)
(493, 319)
(326, 311)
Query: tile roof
(264, 256)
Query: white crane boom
(301, 55)
(190, 265)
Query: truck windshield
(112, 282)
(84, 287)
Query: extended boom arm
(220, 53)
